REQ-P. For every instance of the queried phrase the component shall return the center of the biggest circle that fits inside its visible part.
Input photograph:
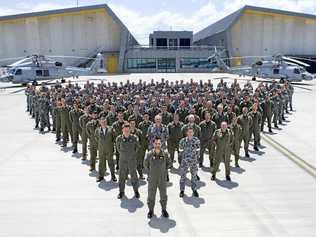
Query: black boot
(195, 193)
(247, 155)
(228, 178)
(120, 195)
(165, 213)
(113, 178)
(150, 214)
(140, 173)
(198, 178)
(137, 195)
(99, 179)
(256, 148)
(270, 130)
(181, 195)
(75, 150)
(213, 177)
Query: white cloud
(141, 24)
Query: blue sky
(144, 16)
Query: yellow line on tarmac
(290, 155)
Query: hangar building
(80, 31)
(257, 31)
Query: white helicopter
(39, 67)
(278, 67)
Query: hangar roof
(69, 10)
(228, 21)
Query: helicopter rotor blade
(305, 59)
(64, 56)
(10, 59)
(296, 61)
(259, 57)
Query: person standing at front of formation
(157, 163)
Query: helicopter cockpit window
(18, 72)
(45, 73)
(39, 73)
(276, 71)
(296, 71)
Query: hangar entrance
(166, 65)
(112, 63)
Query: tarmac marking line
(310, 169)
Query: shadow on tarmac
(108, 185)
(131, 204)
(162, 224)
(227, 184)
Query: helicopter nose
(5, 78)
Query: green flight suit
(127, 148)
(65, 124)
(83, 120)
(223, 142)
(90, 128)
(74, 116)
(207, 132)
(237, 138)
(105, 140)
(157, 166)
(140, 157)
(256, 126)
(175, 135)
(245, 122)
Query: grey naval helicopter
(276, 67)
(36, 68)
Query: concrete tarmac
(48, 191)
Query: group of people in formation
(136, 128)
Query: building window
(276, 71)
(39, 73)
(18, 72)
(45, 73)
(196, 63)
(173, 43)
(141, 63)
(161, 43)
(296, 71)
(166, 65)
(185, 43)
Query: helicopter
(277, 67)
(39, 67)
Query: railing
(192, 47)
